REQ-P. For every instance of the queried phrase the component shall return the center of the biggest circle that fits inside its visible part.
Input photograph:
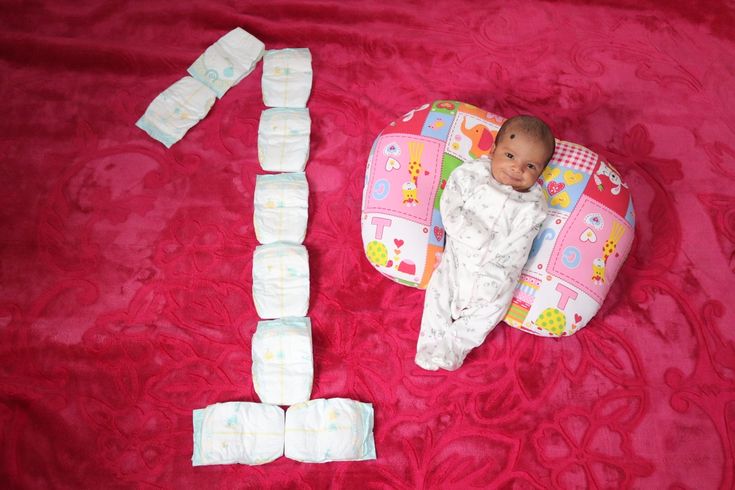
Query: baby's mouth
(512, 177)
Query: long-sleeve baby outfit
(490, 228)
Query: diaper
(230, 59)
(286, 77)
(281, 208)
(176, 110)
(335, 429)
(283, 139)
(283, 365)
(237, 432)
(280, 280)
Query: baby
(492, 210)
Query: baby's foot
(423, 360)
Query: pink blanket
(125, 268)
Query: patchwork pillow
(576, 255)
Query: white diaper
(281, 207)
(283, 139)
(230, 59)
(335, 429)
(280, 280)
(286, 77)
(175, 110)
(283, 364)
(237, 432)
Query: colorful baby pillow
(576, 255)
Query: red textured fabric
(125, 297)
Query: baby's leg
(449, 349)
(472, 327)
(491, 295)
(431, 348)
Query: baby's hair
(532, 126)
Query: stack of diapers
(178, 108)
(230, 59)
(281, 263)
(281, 207)
(283, 139)
(336, 429)
(315, 431)
(287, 77)
(283, 366)
(281, 280)
(237, 432)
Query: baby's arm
(460, 220)
(492, 289)
(453, 199)
(511, 252)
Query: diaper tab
(335, 429)
(283, 363)
(283, 139)
(176, 110)
(281, 207)
(226, 62)
(287, 77)
(237, 432)
(280, 280)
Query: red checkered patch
(574, 156)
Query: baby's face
(518, 160)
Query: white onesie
(490, 228)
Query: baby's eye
(531, 166)
(509, 156)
